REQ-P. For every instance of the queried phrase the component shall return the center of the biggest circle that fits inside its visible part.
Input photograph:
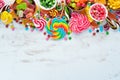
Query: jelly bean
(22, 6)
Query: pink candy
(39, 23)
(2, 3)
(78, 22)
(68, 1)
(98, 12)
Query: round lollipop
(48, 4)
(78, 22)
(57, 28)
(98, 12)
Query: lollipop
(78, 22)
(98, 12)
(57, 28)
(6, 17)
(47, 4)
(39, 23)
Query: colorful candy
(57, 28)
(6, 17)
(78, 22)
(76, 4)
(24, 8)
(98, 12)
(61, 17)
(39, 23)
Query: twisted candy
(39, 23)
(78, 22)
(53, 13)
(57, 28)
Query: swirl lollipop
(78, 22)
(57, 28)
(39, 23)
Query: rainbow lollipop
(57, 28)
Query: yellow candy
(77, 0)
(114, 4)
(6, 17)
(87, 12)
(18, 1)
(101, 1)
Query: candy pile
(24, 8)
(114, 4)
(58, 19)
(47, 4)
(98, 12)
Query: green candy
(73, 5)
(21, 6)
(72, 0)
(31, 1)
(47, 3)
(59, 7)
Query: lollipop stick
(62, 10)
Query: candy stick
(110, 22)
(62, 10)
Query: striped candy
(39, 23)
